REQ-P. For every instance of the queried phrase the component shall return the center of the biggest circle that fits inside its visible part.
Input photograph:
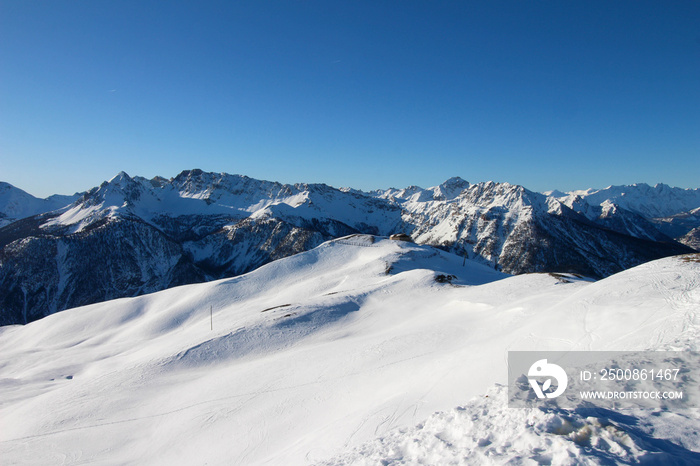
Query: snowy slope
(131, 235)
(660, 200)
(670, 210)
(692, 238)
(310, 355)
(517, 230)
(235, 197)
(486, 432)
(611, 215)
(683, 226)
(17, 204)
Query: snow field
(324, 351)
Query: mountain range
(131, 235)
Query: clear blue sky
(368, 94)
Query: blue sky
(368, 94)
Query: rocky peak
(450, 189)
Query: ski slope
(351, 344)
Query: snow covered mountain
(132, 236)
(651, 202)
(671, 211)
(692, 238)
(519, 231)
(16, 204)
(342, 355)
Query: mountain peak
(450, 189)
(119, 177)
(184, 174)
(455, 181)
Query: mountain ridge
(206, 226)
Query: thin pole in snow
(211, 318)
(465, 258)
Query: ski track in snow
(341, 355)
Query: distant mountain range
(132, 236)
